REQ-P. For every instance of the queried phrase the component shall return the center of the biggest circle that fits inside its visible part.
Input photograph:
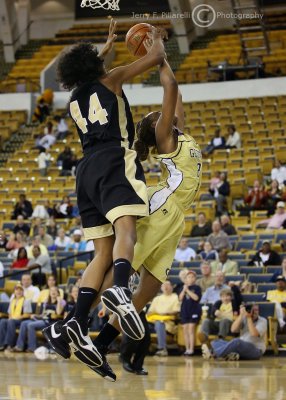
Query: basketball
(135, 38)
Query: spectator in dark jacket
(203, 227)
(217, 142)
(21, 226)
(220, 193)
(226, 226)
(255, 200)
(22, 207)
(265, 256)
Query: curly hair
(79, 64)
(146, 135)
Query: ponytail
(146, 135)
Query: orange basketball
(135, 38)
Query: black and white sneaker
(118, 300)
(104, 370)
(79, 342)
(53, 334)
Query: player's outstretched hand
(110, 39)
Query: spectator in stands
(43, 211)
(53, 310)
(43, 161)
(215, 180)
(233, 140)
(21, 226)
(207, 280)
(62, 129)
(220, 194)
(47, 141)
(190, 310)
(62, 240)
(162, 312)
(23, 207)
(75, 224)
(49, 129)
(224, 264)
(19, 309)
(77, 244)
(274, 195)
(217, 142)
(255, 200)
(37, 242)
(212, 294)
(184, 252)
(22, 259)
(52, 227)
(279, 173)
(218, 238)
(222, 316)
(44, 293)
(203, 227)
(30, 292)
(42, 110)
(69, 165)
(208, 252)
(277, 220)
(40, 260)
(71, 300)
(251, 343)
(64, 209)
(226, 226)
(36, 223)
(16, 241)
(278, 296)
(3, 240)
(45, 238)
(265, 256)
(65, 155)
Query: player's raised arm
(110, 40)
(166, 141)
(179, 112)
(154, 57)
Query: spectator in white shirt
(279, 173)
(30, 292)
(47, 141)
(62, 241)
(233, 140)
(43, 161)
(184, 252)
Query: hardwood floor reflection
(22, 377)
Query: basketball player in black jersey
(110, 185)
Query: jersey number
(95, 113)
(199, 168)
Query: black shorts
(110, 184)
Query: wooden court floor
(23, 377)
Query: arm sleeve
(198, 292)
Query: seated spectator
(43, 161)
(224, 264)
(226, 226)
(16, 241)
(52, 310)
(3, 240)
(41, 111)
(220, 194)
(64, 209)
(222, 316)
(217, 142)
(65, 155)
(47, 141)
(233, 140)
(62, 240)
(71, 300)
(42, 261)
(208, 252)
(162, 312)
(215, 180)
(23, 207)
(277, 220)
(279, 173)
(30, 292)
(190, 310)
(278, 296)
(218, 238)
(207, 280)
(69, 165)
(265, 256)
(37, 242)
(77, 244)
(184, 252)
(179, 286)
(22, 259)
(44, 293)
(203, 227)
(43, 211)
(21, 226)
(52, 227)
(251, 343)
(75, 224)
(212, 294)
(45, 238)
(274, 195)
(62, 129)
(19, 309)
(36, 223)
(255, 200)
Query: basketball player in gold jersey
(159, 233)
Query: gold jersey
(181, 175)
